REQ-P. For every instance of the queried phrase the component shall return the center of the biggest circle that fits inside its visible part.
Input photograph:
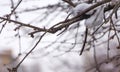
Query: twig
(31, 50)
(15, 7)
(26, 25)
(95, 58)
(85, 40)
(9, 15)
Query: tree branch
(63, 24)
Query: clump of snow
(97, 15)
(96, 19)
(80, 8)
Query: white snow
(80, 8)
(96, 19)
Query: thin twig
(31, 50)
(15, 7)
(85, 40)
(95, 57)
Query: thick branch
(79, 17)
